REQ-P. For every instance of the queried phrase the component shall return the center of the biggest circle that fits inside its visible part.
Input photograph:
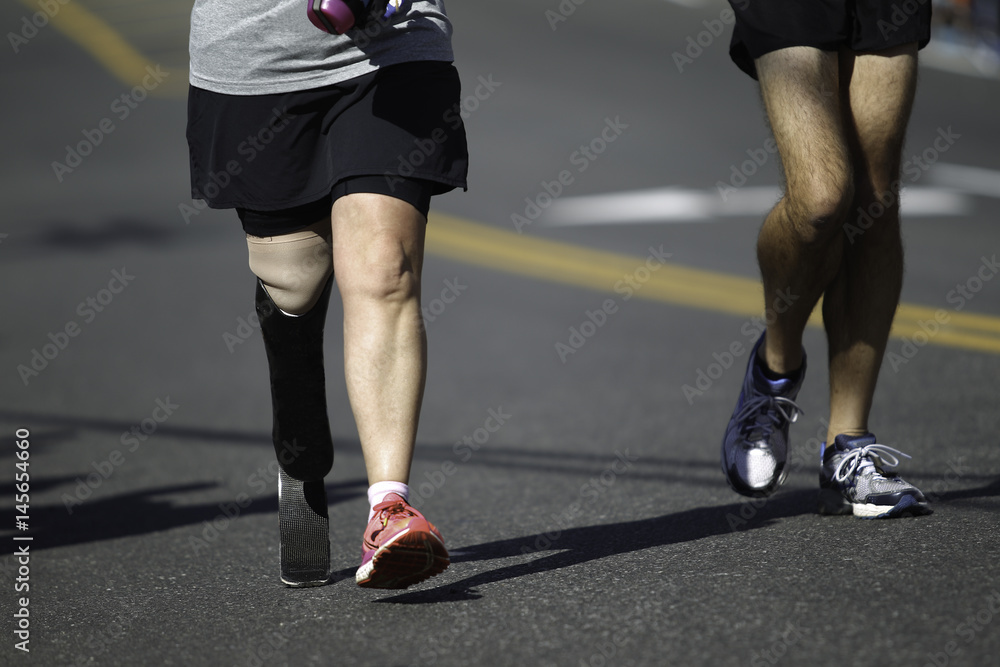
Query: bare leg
(378, 244)
(800, 244)
(860, 303)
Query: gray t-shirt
(258, 47)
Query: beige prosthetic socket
(293, 267)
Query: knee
(878, 198)
(818, 210)
(293, 268)
(385, 274)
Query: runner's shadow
(574, 546)
(986, 491)
(148, 511)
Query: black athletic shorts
(282, 159)
(864, 26)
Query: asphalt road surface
(589, 303)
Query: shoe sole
(409, 558)
(832, 503)
(304, 548)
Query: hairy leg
(859, 305)
(800, 244)
(378, 245)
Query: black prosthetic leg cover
(301, 436)
(294, 347)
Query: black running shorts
(864, 26)
(281, 159)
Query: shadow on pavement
(580, 545)
(986, 491)
(146, 511)
(574, 546)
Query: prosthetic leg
(301, 432)
(301, 435)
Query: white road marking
(979, 61)
(672, 205)
(975, 180)
(689, 3)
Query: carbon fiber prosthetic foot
(304, 526)
(301, 436)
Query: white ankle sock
(379, 490)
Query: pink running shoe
(400, 548)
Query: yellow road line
(973, 321)
(696, 288)
(110, 49)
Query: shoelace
(392, 7)
(384, 511)
(769, 407)
(387, 508)
(858, 459)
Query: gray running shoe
(853, 480)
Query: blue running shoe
(755, 447)
(853, 480)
